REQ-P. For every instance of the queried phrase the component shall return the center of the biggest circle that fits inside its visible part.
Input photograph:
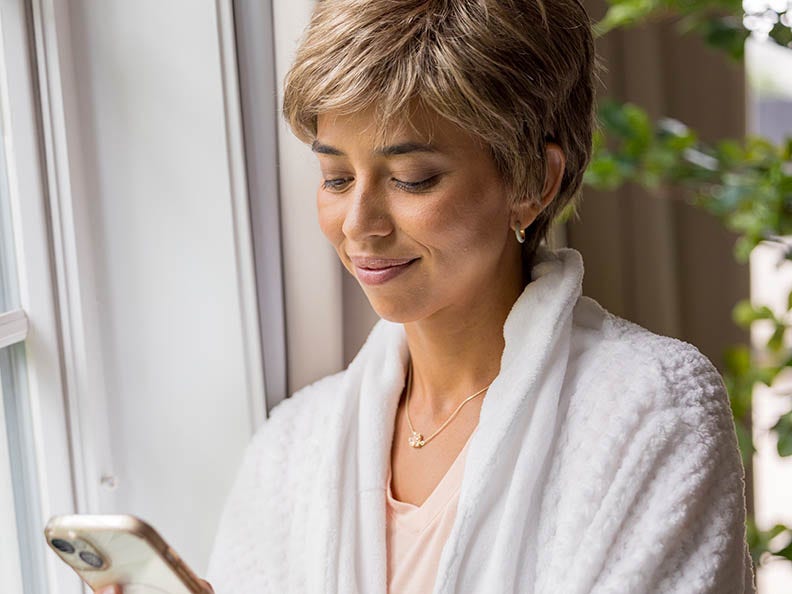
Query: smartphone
(120, 549)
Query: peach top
(416, 535)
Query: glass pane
(769, 71)
(9, 294)
(23, 464)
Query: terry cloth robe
(605, 461)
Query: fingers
(207, 586)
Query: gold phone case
(107, 549)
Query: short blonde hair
(515, 73)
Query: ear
(526, 212)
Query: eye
(418, 186)
(337, 184)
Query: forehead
(366, 128)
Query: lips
(371, 263)
(376, 271)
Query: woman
(498, 432)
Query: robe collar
(513, 438)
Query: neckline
(417, 517)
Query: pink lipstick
(376, 271)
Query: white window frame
(10, 566)
(253, 34)
(37, 322)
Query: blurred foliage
(746, 184)
(723, 24)
(760, 542)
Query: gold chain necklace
(417, 440)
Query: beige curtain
(657, 260)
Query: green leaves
(719, 23)
(626, 12)
(747, 185)
(606, 173)
(776, 341)
(739, 381)
(725, 33)
(738, 360)
(631, 126)
(745, 313)
(785, 552)
(783, 428)
(760, 542)
(744, 443)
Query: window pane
(769, 71)
(9, 294)
(20, 447)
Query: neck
(458, 350)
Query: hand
(116, 589)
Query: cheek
(464, 223)
(331, 218)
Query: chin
(394, 314)
(398, 312)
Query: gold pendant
(416, 440)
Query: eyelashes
(337, 184)
(340, 184)
(416, 187)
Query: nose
(367, 214)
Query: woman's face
(421, 220)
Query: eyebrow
(386, 151)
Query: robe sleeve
(678, 494)
(257, 544)
(242, 555)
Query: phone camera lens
(63, 545)
(91, 559)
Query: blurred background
(164, 283)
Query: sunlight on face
(422, 220)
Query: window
(18, 466)
(769, 72)
(35, 472)
(18, 559)
(142, 378)
(17, 455)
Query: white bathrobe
(605, 461)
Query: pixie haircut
(514, 73)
